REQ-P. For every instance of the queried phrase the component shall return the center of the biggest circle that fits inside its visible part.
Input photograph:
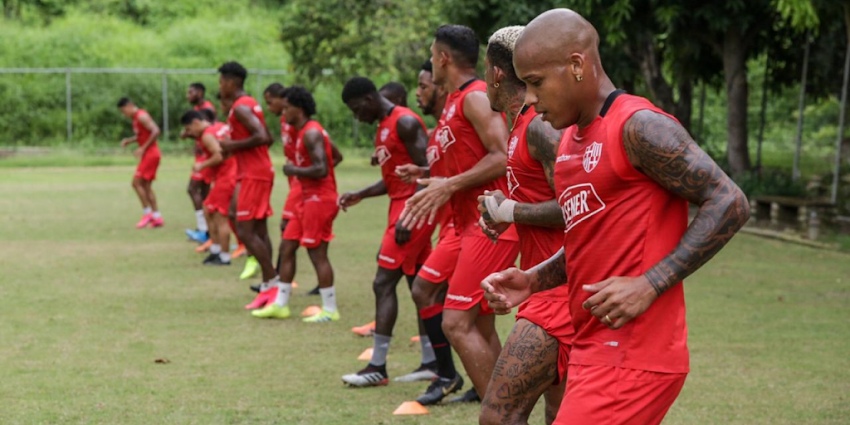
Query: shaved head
(557, 56)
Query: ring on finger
(608, 319)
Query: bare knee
(421, 293)
(382, 287)
(489, 414)
(454, 326)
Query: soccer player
(624, 175)
(401, 138)
(249, 144)
(395, 93)
(199, 181)
(146, 132)
(543, 331)
(223, 173)
(431, 283)
(312, 227)
(473, 141)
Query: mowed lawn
(87, 303)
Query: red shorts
(314, 224)
(221, 193)
(616, 396)
(146, 170)
(411, 254)
(294, 199)
(552, 314)
(441, 264)
(478, 258)
(254, 200)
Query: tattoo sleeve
(663, 150)
(549, 274)
(543, 141)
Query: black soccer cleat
(209, 259)
(215, 260)
(314, 291)
(439, 389)
(255, 288)
(470, 396)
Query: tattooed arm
(543, 141)
(663, 150)
(509, 288)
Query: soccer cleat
(157, 222)
(204, 247)
(252, 267)
(197, 235)
(272, 311)
(145, 221)
(425, 372)
(314, 291)
(439, 389)
(215, 260)
(470, 396)
(365, 330)
(239, 251)
(255, 288)
(324, 316)
(263, 298)
(370, 376)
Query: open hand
(506, 289)
(424, 205)
(349, 199)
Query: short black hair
(462, 41)
(500, 56)
(233, 69)
(191, 115)
(124, 101)
(199, 87)
(428, 67)
(208, 114)
(300, 97)
(275, 89)
(357, 87)
(396, 89)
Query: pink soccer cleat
(157, 222)
(262, 299)
(145, 221)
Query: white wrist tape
(503, 213)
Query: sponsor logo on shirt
(513, 183)
(384, 134)
(445, 137)
(451, 112)
(299, 159)
(432, 154)
(578, 203)
(383, 154)
(512, 146)
(562, 158)
(591, 156)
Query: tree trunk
(684, 106)
(650, 67)
(735, 74)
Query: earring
(578, 78)
(496, 85)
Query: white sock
(147, 210)
(283, 291)
(156, 214)
(265, 286)
(215, 248)
(225, 256)
(201, 221)
(328, 299)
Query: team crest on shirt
(512, 146)
(432, 154)
(445, 137)
(513, 183)
(578, 203)
(451, 112)
(385, 132)
(591, 156)
(383, 154)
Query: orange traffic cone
(311, 311)
(415, 338)
(204, 247)
(365, 330)
(411, 408)
(294, 285)
(239, 251)
(366, 355)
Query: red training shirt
(391, 152)
(254, 163)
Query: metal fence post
(164, 105)
(259, 84)
(68, 115)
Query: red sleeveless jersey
(254, 163)
(391, 152)
(227, 168)
(205, 105)
(619, 222)
(527, 183)
(462, 149)
(142, 133)
(325, 187)
(437, 169)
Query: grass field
(87, 303)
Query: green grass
(87, 303)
